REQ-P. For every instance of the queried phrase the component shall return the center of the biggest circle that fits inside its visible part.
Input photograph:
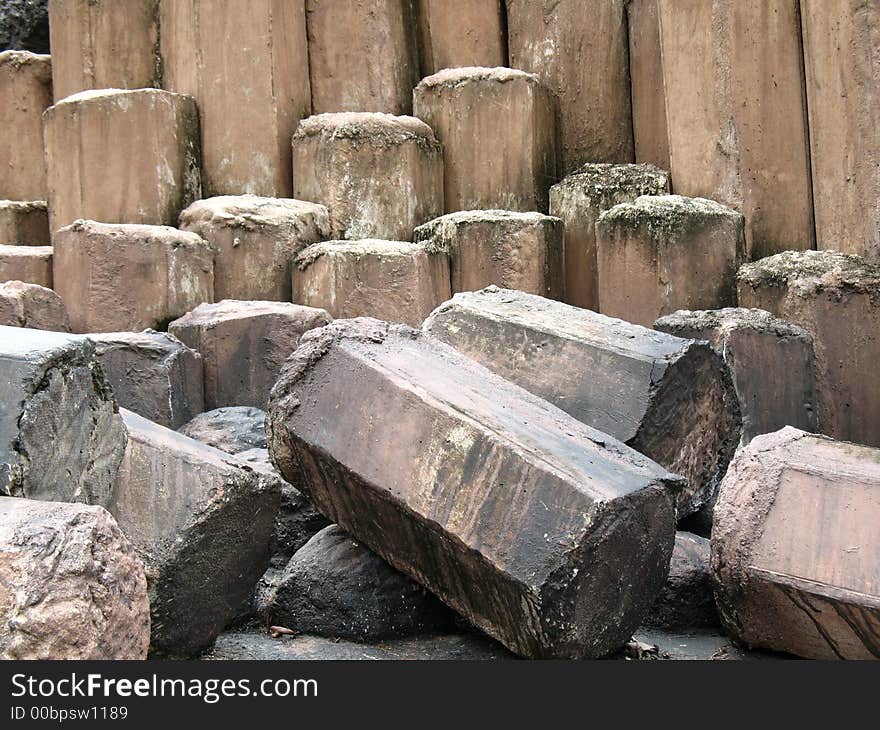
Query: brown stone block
(455, 33)
(33, 306)
(24, 223)
(548, 535)
(121, 157)
(243, 346)
(30, 264)
(667, 252)
(579, 50)
(579, 200)
(796, 544)
(512, 250)
(400, 282)
(25, 92)
(247, 66)
(130, 277)
(496, 128)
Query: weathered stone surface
(579, 50)
(30, 264)
(379, 175)
(255, 241)
(579, 200)
(667, 252)
(234, 429)
(201, 521)
(461, 33)
(25, 92)
(130, 277)
(836, 298)
(394, 280)
(796, 544)
(707, 644)
(33, 306)
(669, 398)
(363, 55)
(73, 587)
(122, 157)
(247, 66)
(243, 346)
(153, 374)
(61, 438)
(24, 24)
(491, 160)
(771, 362)
(24, 223)
(439, 471)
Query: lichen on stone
(808, 272)
(374, 128)
(361, 247)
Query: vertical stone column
(454, 33)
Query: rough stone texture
(24, 25)
(796, 544)
(73, 587)
(667, 252)
(33, 306)
(130, 277)
(243, 346)
(234, 429)
(247, 66)
(61, 438)
(363, 55)
(836, 298)
(379, 175)
(579, 200)
(455, 33)
(579, 50)
(24, 223)
(201, 521)
(30, 264)
(736, 113)
(771, 362)
(397, 281)
(497, 130)
(255, 241)
(104, 44)
(842, 74)
(122, 157)
(669, 398)
(549, 535)
(152, 374)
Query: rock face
(233, 429)
(529, 543)
(795, 546)
(30, 264)
(468, 33)
(24, 223)
(24, 24)
(669, 398)
(61, 438)
(491, 160)
(73, 587)
(33, 306)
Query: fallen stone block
(118, 277)
(233, 429)
(556, 550)
(491, 160)
(796, 544)
(153, 374)
(394, 280)
(24, 223)
(25, 24)
(667, 252)
(579, 200)
(243, 346)
(61, 438)
(456, 34)
(379, 175)
(33, 306)
(668, 398)
(201, 521)
(29, 264)
(255, 241)
(73, 587)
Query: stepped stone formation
(25, 92)
(130, 277)
(796, 544)
(395, 280)
(836, 298)
(666, 397)
(243, 345)
(667, 252)
(491, 160)
(566, 42)
(579, 200)
(73, 587)
(33, 306)
(30, 264)
(233, 429)
(25, 24)
(122, 157)
(379, 175)
(255, 241)
(61, 438)
(440, 507)
(24, 223)
(251, 92)
(462, 33)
